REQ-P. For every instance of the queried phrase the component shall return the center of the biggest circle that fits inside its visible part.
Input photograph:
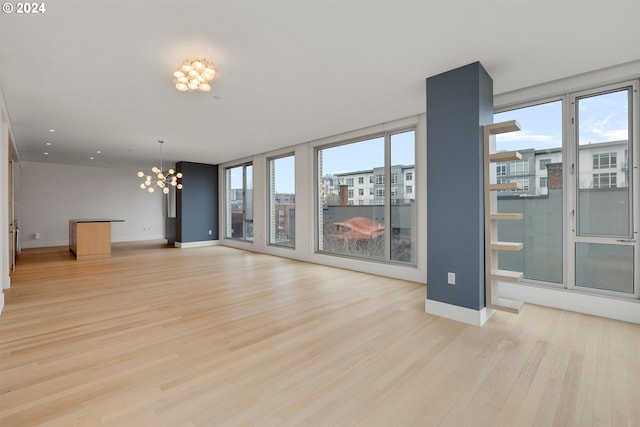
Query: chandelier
(194, 75)
(163, 179)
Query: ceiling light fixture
(194, 74)
(164, 178)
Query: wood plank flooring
(158, 336)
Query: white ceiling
(99, 72)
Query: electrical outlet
(451, 278)
(36, 235)
(209, 232)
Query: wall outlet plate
(451, 278)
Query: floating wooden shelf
(506, 246)
(502, 127)
(506, 276)
(505, 156)
(506, 216)
(504, 304)
(491, 217)
(505, 186)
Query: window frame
(374, 178)
(229, 221)
(569, 162)
(597, 165)
(564, 111)
(270, 208)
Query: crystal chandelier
(163, 179)
(194, 75)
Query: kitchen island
(91, 238)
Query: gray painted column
(459, 102)
(197, 203)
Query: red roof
(360, 228)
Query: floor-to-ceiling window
(604, 242)
(402, 209)
(578, 193)
(282, 200)
(364, 189)
(540, 197)
(239, 202)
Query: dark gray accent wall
(459, 102)
(197, 203)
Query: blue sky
(369, 154)
(285, 174)
(601, 118)
(541, 127)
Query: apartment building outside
(602, 165)
(366, 187)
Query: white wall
(51, 194)
(5, 279)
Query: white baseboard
(43, 243)
(53, 243)
(457, 313)
(1, 302)
(6, 283)
(197, 244)
(596, 305)
(124, 239)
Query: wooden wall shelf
(505, 186)
(506, 216)
(505, 156)
(491, 217)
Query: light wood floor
(159, 336)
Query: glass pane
(248, 215)
(282, 195)
(603, 165)
(234, 215)
(608, 267)
(403, 207)
(539, 173)
(350, 209)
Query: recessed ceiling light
(52, 130)
(91, 158)
(46, 154)
(98, 152)
(47, 143)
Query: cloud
(528, 138)
(612, 127)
